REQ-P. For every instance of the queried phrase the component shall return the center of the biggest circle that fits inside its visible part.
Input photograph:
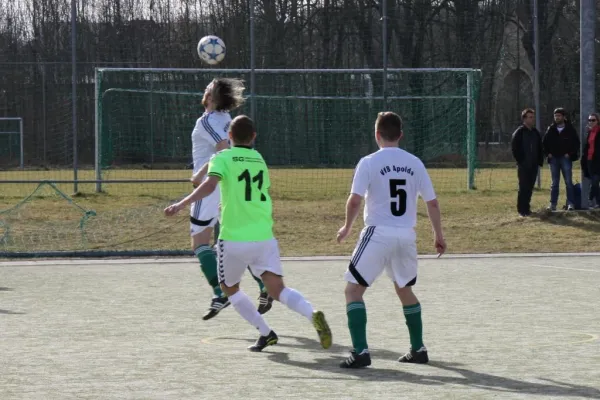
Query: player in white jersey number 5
(209, 137)
(390, 180)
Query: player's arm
(352, 209)
(360, 184)
(216, 170)
(435, 216)
(433, 210)
(206, 188)
(198, 176)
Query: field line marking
(191, 259)
(590, 338)
(566, 268)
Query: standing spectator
(590, 160)
(527, 150)
(561, 147)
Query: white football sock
(296, 302)
(245, 307)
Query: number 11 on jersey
(245, 176)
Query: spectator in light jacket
(561, 147)
(590, 159)
(526, 144)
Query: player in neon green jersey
(208, 137)
(246, 236)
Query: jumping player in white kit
(390, 180)
(210, 135)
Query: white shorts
(235, 257)
(205, 213)
(384, 247)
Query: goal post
(11, 137)
(309, 119)
(471, 133)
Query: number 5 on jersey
(398, 195)
(245, 176)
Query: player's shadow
(298, 342)
(11, 312)
(460, 374)
(5, 289)
(304, 343)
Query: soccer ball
(211, 49)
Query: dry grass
(308, 207)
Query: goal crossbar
(291, 70)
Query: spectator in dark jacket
(590, 159)
(561, 147)
(527, 150)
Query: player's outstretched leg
(265, 302)
(357, 324)
(244, 306)
(412, 313)
(208, 263)
(295, 301)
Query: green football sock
(261, 285)
(208, 264)
(357, 324)
(414, 323)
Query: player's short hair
(389, 126)
(242, 129)
(525, 112)
(227, 93)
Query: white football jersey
(211, 128)
(391, 180)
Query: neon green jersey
(246, 208)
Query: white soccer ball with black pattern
(211, 49)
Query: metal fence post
(74, 88)
(252, 64)
(384, 19)
(587, 81)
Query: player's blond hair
(227, 93)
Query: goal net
(313, 125)
(11, 143)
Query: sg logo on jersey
(239, 159)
